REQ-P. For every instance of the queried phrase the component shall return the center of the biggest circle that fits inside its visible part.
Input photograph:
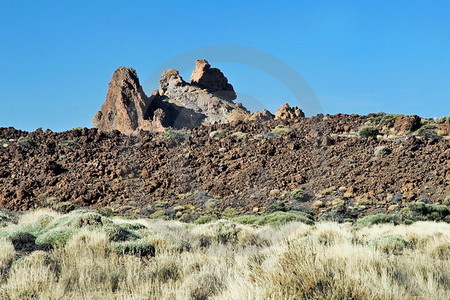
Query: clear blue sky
(57, 57)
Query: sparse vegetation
(224, 259)
(427, 132)
(173, 135)
(281, 129)
(368, 132)
(69, 142)
(378, 219)
(26, 142)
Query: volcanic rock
(264, 115)
(125, 105)
(406, 124)
(286, 113)
(176, 104)
(212, 79)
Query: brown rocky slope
(242, 166)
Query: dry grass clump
(94, 257)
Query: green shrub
(55, 237)
(299, 195)
(203, 220)
(173, 135)
(63, 207)
(26, 142)
(275, 219)
(445, 119)
(420, 211)
(427, 133)
(368, 132)
(68, 143)
(376, 118)
(391, 244)
(116, 233)
(447, 200)
(137, 247)
(281, 129)
(278, 206)
(132, 226)
(230, 212)
(378, 219)
(218, 134)
(238, 135)
(382, 150)
(388, 120)
(78, 219)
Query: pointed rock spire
(125, 105)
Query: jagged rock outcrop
(177, 103)
(206, 100)
(212, 79)
(287, 112)
(264, 115)
(125, 105)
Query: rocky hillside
(350, 164)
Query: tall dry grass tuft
(88, 256)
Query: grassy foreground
(84, 255)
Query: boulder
(406, 124)
(286, 113)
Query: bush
(68, 143)
(388, 120)
(378, 219)
(275, 219)
(55, 237)
(299, 195)
(218, 134)
(238, 135)
(177, 136)
(116, 233)
(203, 220)
(278, 206)
(382, 150)
(427, 133)
(391, 244)
(447, 200)
(368, 132)
(230, 212)
(26, 142)
(420, 211)
(281, 129)
(137, 247)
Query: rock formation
(286, 113)
(212, 79)
(178, 104)
(264, 115)
(125, 105)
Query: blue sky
(57, 57)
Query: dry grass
(222, 260)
